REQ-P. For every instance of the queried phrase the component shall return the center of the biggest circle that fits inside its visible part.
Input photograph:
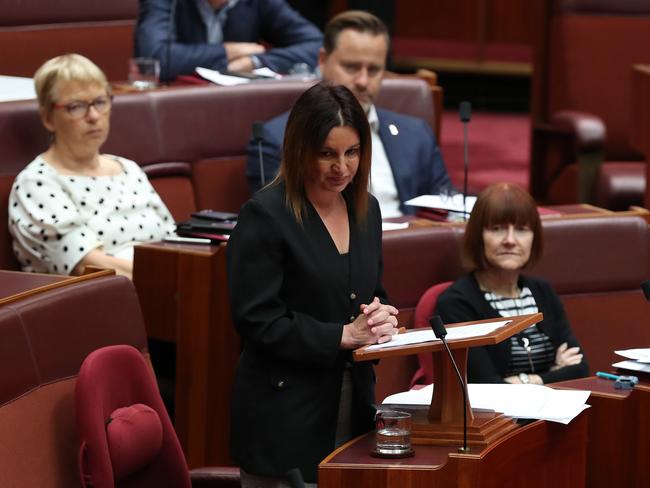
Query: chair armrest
(215, 476)
(587, 129)
(570, 137)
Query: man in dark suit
(224, 35)
(406, 161)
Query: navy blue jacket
(184, 45)
(414, 156)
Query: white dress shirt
(382, 181)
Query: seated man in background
(406, 160)
(224, 35)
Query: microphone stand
(465, 110)
(440, 332)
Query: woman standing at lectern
(305, 269)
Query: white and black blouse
(55, 219)
(531, 350)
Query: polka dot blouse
(56, 219)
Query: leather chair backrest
(102, 31)
(595, 255)
(416, 259)
(191, 140)
(43, 341)
(424, 310)
(142, 450)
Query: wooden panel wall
(507, 21)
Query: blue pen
(607, 376)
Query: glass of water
(144, 73)
(393, 434)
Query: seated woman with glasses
(73, 206)
(503, 236)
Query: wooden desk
(540, 454)
(619, 433)
(184, 299)
(425, 218)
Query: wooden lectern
(443, 424)
(536, 455)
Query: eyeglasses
(79, 108)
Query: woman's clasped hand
(376, 324)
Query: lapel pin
(392, 128)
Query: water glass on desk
(393, 434)
(144, 73)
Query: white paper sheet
(454, 202)
(641, 355)
(518, 401)
(219, 79)
(16, 88)
(228, 80)
(394, 225)
(633, 366)
(418, 336)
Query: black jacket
(464, 301)
(291, 294)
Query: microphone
(465, 110)
(645, 286)
(440, 332)
(294, 478)
(258, 135)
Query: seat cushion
(134, 435)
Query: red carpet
(498, 148)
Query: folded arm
(156, 37)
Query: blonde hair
(67, 67)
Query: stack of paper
(16, 88)
(517, 401)
(232, 80)
(418, 336)
(394, 226)
(444, 202)
(637, 360)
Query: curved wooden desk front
(540, 454)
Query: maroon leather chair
(583, 57)
(125, 434)
(424, 310)
(44, 338)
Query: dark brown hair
(500, 203)
(357, 20)
(316, 112)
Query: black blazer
(291, 293)
(464, 301)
